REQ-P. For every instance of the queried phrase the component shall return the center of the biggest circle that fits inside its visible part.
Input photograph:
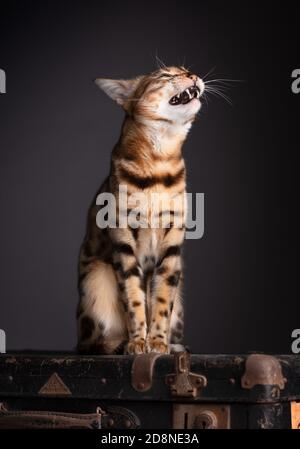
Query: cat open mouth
(186, 96)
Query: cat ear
(118, 90)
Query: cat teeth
(186, 96)
(189, 93)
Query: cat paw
(136, 347)
(156, 345)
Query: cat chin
(180, 113)
(193, 106)
(186, 111)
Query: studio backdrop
(57, 130)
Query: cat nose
(192, 77)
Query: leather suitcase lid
(194, 378)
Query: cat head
(170, 94)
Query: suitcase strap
(48, 420)
(111, 417)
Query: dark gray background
(57, 131)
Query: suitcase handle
(48, 420)
(113, 417)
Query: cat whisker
(205, 98)
(219, 86)
(208, 73)
(217, 92)
(223, 81)
(188, 68)
(159, 62)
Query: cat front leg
(167, 277)
(129, 275)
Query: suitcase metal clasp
(183, 383)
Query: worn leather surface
(48, 420)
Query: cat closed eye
(167, 75)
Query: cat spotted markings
(130, 279)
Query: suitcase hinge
(183, 383)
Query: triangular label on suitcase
(55, 387)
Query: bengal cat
(130, 278)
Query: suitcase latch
(201, 416)
(183, 383)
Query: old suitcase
(180, 391)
